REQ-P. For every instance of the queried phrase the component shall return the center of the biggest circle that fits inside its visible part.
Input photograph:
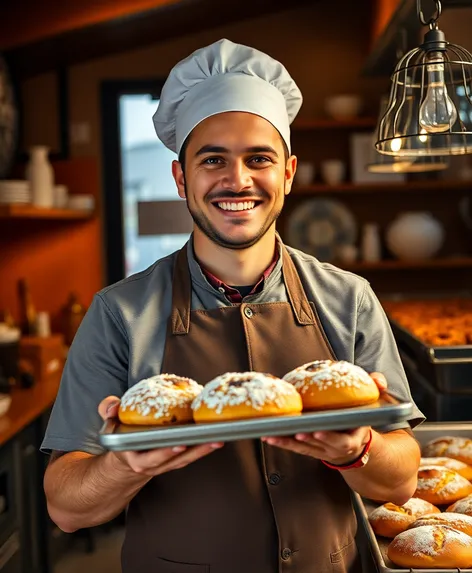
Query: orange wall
(55, 256)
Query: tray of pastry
(429, 435)
(239, 406)
(436, 335)
(387, 410)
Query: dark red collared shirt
(232, 294)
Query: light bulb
(396, 144)
(437, 112)
(423, 137)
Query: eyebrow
(220, 149)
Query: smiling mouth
(237, 205)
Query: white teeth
(239, 206)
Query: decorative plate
(320, 226)
(8, 120)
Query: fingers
(108, 408)
(158, 461)
(380, 380)
(190, 456)
(328, 446)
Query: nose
(237, 176)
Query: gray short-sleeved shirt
(121, 338)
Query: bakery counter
(27, 405)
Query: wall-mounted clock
(8, 120)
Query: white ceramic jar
(40, 175)
(371, 248)
(415, 235)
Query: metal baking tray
(378, 545)
(387, 410)
(436, 405)
(448, 368)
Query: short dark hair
(183, 151)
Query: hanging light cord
(433, 21)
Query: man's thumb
(108, 407)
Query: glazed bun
(457, 521)
(236, 396)
(462, 506)
(159, 400)
(460, 467)
(388, 520)
(326, 385)
(440, 485)
(431, 547)
(455, 447)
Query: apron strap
(296, 293)
(181, 294)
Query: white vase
(415, 235)
(40, 175)
(370, 244)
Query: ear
(179, 178)
(290, 170)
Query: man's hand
(338, 448)
(153, 462)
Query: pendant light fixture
(382, 163)
(429, 112)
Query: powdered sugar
(454, 447)
(454, 520)
(440, 480)
(252, 388)
(450, 463)
(327, 373)
(160, 393)
(429, 540)
(462, 506)
(414, 507)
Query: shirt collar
(233, 294)
(199, 275)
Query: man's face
(236, 178)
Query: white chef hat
(225, 77)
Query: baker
(235, 298)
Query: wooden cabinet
(32, 509)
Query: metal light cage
(400, 132)
(382, 163)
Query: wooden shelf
(318, 124)
(443, 263)
(12, 211)
(407, 186)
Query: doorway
(145, 218)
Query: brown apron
(249, 507)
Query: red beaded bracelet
(359, 462)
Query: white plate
(320, 226)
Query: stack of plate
(14, 192)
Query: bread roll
(236, 396)
(388, 520)
(455, 447)
(431, 547)
(460, 467)
(159, 400)
(457, 521)
(326, 385)
(441, 486)
(462, 506)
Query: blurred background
(87, 198)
